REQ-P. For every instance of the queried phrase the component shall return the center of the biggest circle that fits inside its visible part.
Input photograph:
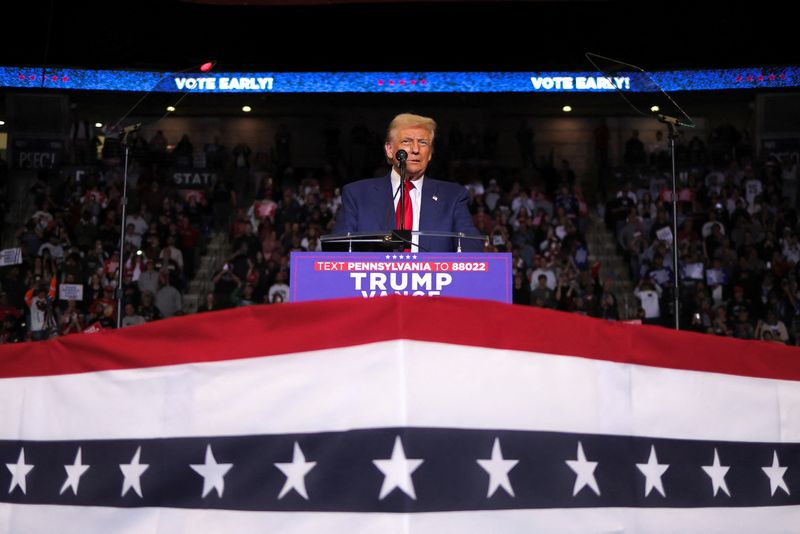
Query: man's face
(418, 143)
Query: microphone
(401, 156)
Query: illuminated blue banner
(397, 82)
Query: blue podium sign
(331, 275)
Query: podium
(333, 275)
(373, 264)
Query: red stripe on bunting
(270, 330)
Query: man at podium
(374, 205)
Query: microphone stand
(403, 233)
(124, 204)
(402, 194)
(613, 66)
(672, 127)
(124, 199)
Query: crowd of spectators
(68, 279)
(738, 243)
(737, 236)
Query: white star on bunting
(775, 473)
(397, 471)
(74, 474)
(133, 473)
(498, 469)
(19, 471)
(295, 473)
(652, 472)
(717, 473)
(584, 470)
(213, 473)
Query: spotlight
(566, 109)
(2, 123)
(247, 109)
(98, 125)
(205, 67)
(655, 109)
(170, 108)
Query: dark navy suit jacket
(368, 206)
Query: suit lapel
(429, 210)
(384, 210)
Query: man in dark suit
(373, 205)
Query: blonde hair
(409, 120)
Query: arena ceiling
(388, 35)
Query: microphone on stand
(401, 156)
(124, 132)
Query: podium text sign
(331, 275)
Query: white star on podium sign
(295, 473)
(584, 470)
(19, 471)
(212, 472)
(717, 473)
(775, 473)
(133, 473)
(652, 472)
(397, 471)
(498, 469)
(74, 474)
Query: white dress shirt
(416, 203)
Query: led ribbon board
(395, 82)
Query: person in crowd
(147, 308)
(42, 320)
(209, 304)
(130, 317)
(542, 295)
(649, 294)
(772, 329)
(168, 299)
(280, 289)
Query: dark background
(432, 35)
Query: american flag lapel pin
(435, 198)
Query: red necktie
(406, 218)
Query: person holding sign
(373, 205)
